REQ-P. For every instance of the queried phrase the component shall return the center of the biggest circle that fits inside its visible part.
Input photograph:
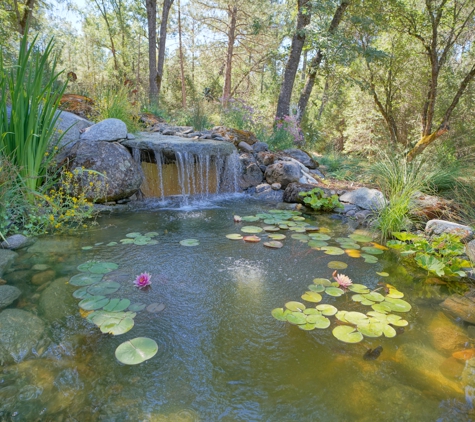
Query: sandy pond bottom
(221, 355)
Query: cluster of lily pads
(112, 315)
(277, 221)
(134, 238)
(352, 326)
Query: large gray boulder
(283, 172)
(8, 295)
(368, 199)
(6, 259)
(57, 301)
(437, 227)
(107, 130)
(302, 157)
(250, 176)
(123, 174)
(71, 125)
(20, 335)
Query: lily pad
(271, 228)
(333, 250)
(360, 238)
(394, 293)
(381, 307)
(301, 237)
(277, 236)
(252, 239)
(357, 298)
(311, 229)
(117, 326)
(141, 241)
(369, 259)
(250, 218)
(337, 265)
(151, 234)
(297, 318)
(327, 310)
(93, 303)
(318, 288)
(312, 297)
(319, 236)
(280, 314)
(317, 243)
(136, 351)
(355, 317)
(374, 296)
(322, 281)
(274, 244)
(103, 267)
(340, 316)
(334, 291)
(389, 331)
(189, 242)
(251, 229)
(358, 288)
(307, 327)
(311, 311)
(136, 307)
(372, 250)
(104, 288)
(347, 334)
(156, 307)
(117, 305)
(133, 235)
(295, 306)
(82, 293)
(373, 329)
(353, 253)
(85, 279)
(397, 305)
(319, 320)
(127, 241)
(234, 236)
(86, 248)
(382, 273)
(86, 265)
(112, 244)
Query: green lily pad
(154, 308)
(307, 327)
(104, 288)
(234, 236)
(93, 303)
(357, 298)
(381, 307)
(277, 236)
(358, 288)
(334, 291)
(297, 229)
(354, 246)
(103, 267)
(379, 316)
(340, 316)
(327, 310)
(136, 307)
(86, 265)
(251, 229)
(280, 314)
(85, 279)
(311, 311)
(136, 351)
(112, 244)
(374, 296)
(394, 293)
(369, 259)
(273, 244)
(367, 302)
(117, 305)
(347, 334)
(295, 306)
(389, 331)
(398, 322)
(117, 326)
(322, 281)
(337, 265)
(319, 320)
(383, 274)
(82, 293)
(250, 218)
(319, 236)
(152, 242)
(318, 288)
(297, 318)
(312, 297)
(301, 237)
(333, 250)
(151, 234)
(189, 242)
(360, 238)
(86, 248)
(311, 229)
(133, 235)
(127, 241)
(141, 241)
(271, 228)
(371, 250)
(355, 317)
(397, 305)
(317, 243)
(372, 329)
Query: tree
(151, 6)
(167, 4)
(298, 40)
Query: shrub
(316, 200)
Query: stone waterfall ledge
(169, 145)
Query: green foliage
(341, 166)
(440, 255)
(32, 89)
(115, 102)
(196, 116)
(316, 200)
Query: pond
(221, 355)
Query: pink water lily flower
(143, 280)
(343, 280)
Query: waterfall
(160, 159)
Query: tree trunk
(317, 59)
(182, 67)
(298, 40)
(109, 30)
(152, 50)
(232, 13)
(167, 4)
(24, 21)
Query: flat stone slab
(169, 145)
(436, 227)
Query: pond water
(221, 355)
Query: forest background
(355, 80)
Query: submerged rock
(43, 277)
(6, 260)
(57, 301)
(8, 295)
(20, 335)
(446, 336)
(460, 306)
(59, 245)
